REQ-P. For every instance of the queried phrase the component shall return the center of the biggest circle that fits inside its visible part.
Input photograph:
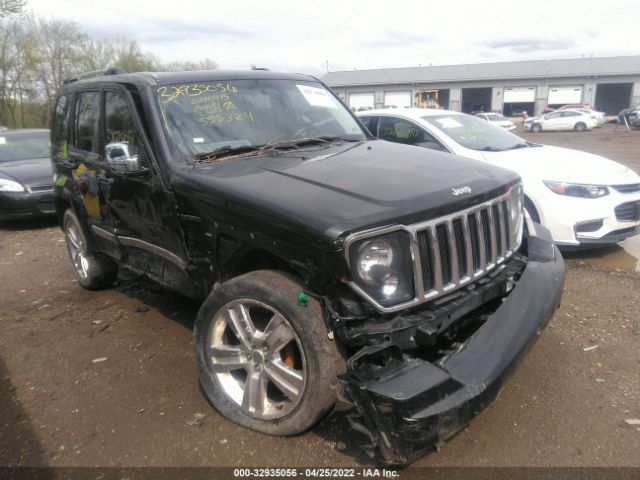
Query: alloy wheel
(77, 251)
(257, 358)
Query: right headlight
(382, 268)
(516, 211)
(7, 185)
(577, 189)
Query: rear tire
(92, 270)
(580, 127)
(536, 128)
(279, 385)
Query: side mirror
(546, 117)
(119, 158)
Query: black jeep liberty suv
(330, 263)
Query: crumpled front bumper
(417, 405)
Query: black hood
(334, 190)
(34, 172)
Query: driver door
(554, 121)
(138, 212)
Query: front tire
(264, 360)
(580, 127)
(536, 128)
(92, 270)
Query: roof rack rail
(95, 74)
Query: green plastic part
(303, 299)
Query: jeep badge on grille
(461, 190)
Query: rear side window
(87, 116)
(60, 129)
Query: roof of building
(572, 67)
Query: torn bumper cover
(411, 405)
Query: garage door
(519, 94)
(397, 99)
(361, 100)
(564, 95)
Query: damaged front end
(418, 376)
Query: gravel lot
(108, 378)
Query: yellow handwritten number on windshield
(170, 92)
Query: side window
(59, 131)
(371, 123)
(403, 131)
(118, 122)
(87, 117)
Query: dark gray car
(26, 178)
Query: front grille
(628, 212)
(41, 188)
(629, 188)
(459, 248)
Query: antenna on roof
(254, 67)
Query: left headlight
(382, 267)
(577, 190)
(7, 185)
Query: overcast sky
(300, 36)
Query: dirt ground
(107, 378)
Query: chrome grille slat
(503, 231)
(453, 254)
(437, 264)
(507, 222)
(492, 236)
(481, 245)
(466, 233)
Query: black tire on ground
(580, 127)
(279, 291)
(92, 269)
(536, 128)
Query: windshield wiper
(524, 145)
(224, 151)
(227, 152)
(492, 149)
(309, 141)
(517, 146)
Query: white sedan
(581, 198)
(497, 119)
(601, 117)
(561, 120)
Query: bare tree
(129, 55)
(60, 55)
(38, 54)
(187, 65)
(97, 54)
(11, 7)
